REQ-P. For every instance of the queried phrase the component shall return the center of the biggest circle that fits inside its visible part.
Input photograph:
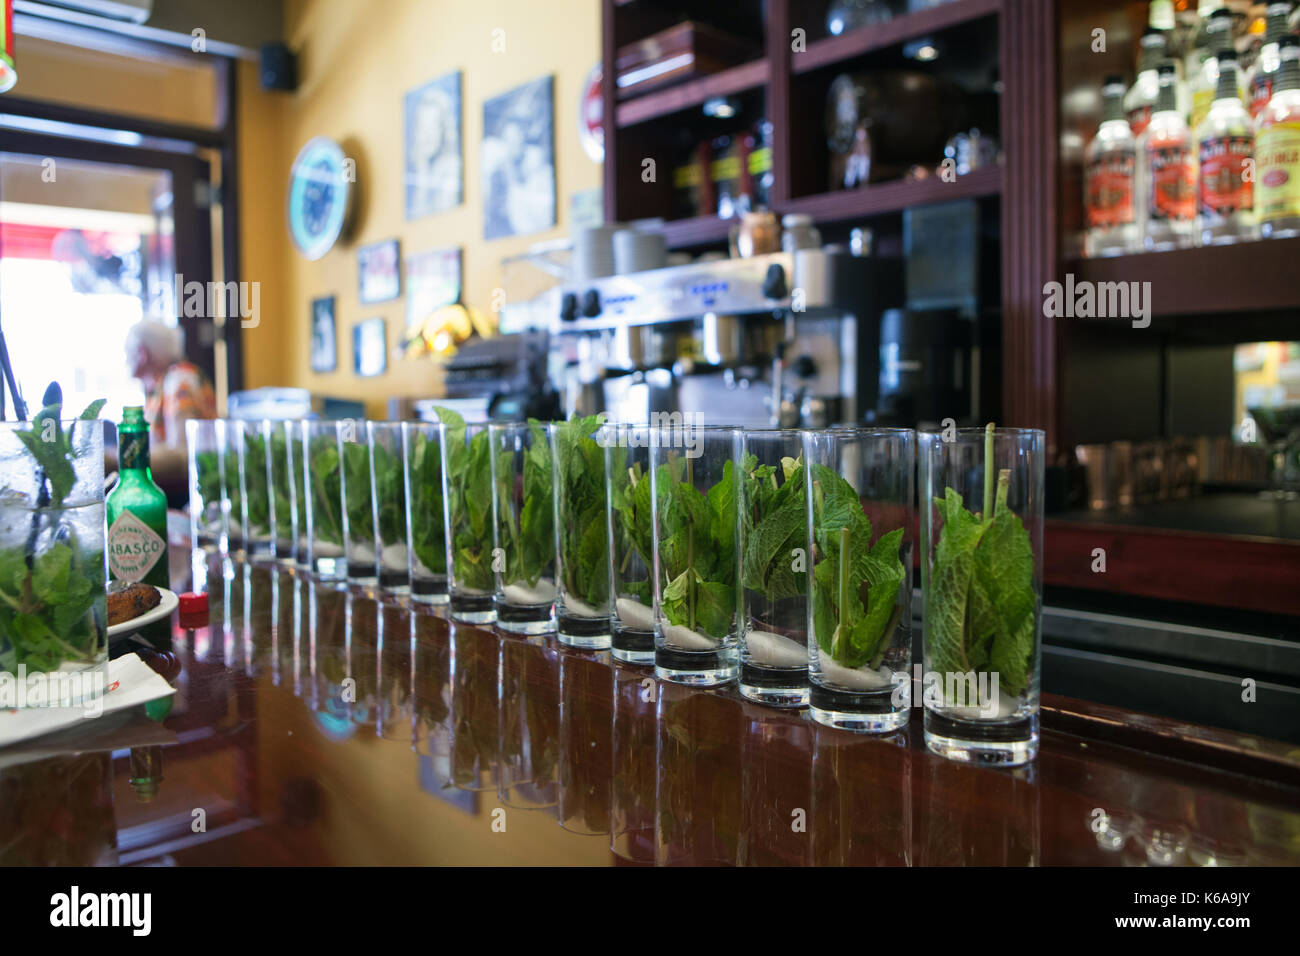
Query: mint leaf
(981, 604)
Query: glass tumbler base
(472, 608)
(537, 619)
(858, 722)
(998, 744)
(774, 686)
(697, 668)
(632, 645)
(587, 633)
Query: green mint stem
(839, 644)
(988, 472)
(690, 554)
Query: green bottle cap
(133, 415)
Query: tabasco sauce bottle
(1168, 172)
(137, 510)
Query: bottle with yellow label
(1277, 150)
(137, 510)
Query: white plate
(165, 607)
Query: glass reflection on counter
(670, 774)
(586, 742)
(633, 777)
(475, 754)
(430, 686)
(862, 813)
(698, 812)
(777, 789)
(529, 691)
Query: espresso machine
(784, 339)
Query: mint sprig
(583, 533)
(697, 548)
(855, 583)
(50, 587)
(980, 605)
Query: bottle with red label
(1260, 84)
(1204, 80)
(1111, 166)
(1277, 150)
(1140, 100)
(1225, 145)
(1168, 170)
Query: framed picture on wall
(379, 266)
(518, 160)
(324, 342)
(370, 347)
(432, 281)
(435, 177)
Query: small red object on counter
(193, 610)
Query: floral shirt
(183, 394)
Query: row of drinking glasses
(781, 559)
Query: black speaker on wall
(279, 68)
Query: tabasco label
(1138, 119)
(1225, 188)
(1172, 176)
(133, 548)
(1110, 190)
(1277, 171)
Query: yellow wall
(356, 59)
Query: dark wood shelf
(882, 198)
(674, 99)
(1245, 277)
(909, 26)
(696, 231)
(1217, 569)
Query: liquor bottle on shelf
(1168, 171)
(1204, 82)
(1140, 100)
(1260, 84)
(1277, 149)
(1160, 14)
(1226, 154)
(1111, 165)
(1195, 35)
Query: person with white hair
(175, 391)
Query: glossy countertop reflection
(316, 725)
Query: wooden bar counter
(316, 725)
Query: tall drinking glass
(581, 534)
(284, 523)
(206, 446)
(298, 490)
(981, 579)
(629, 514)
(696, 511)
(53, 637)
(426, 520)
(388, 492)
(859, 492)
(233, 485)
(523, 529)
(773, 569)
(256, 514)
(323, 458)
(358, 504)
(467, 482)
